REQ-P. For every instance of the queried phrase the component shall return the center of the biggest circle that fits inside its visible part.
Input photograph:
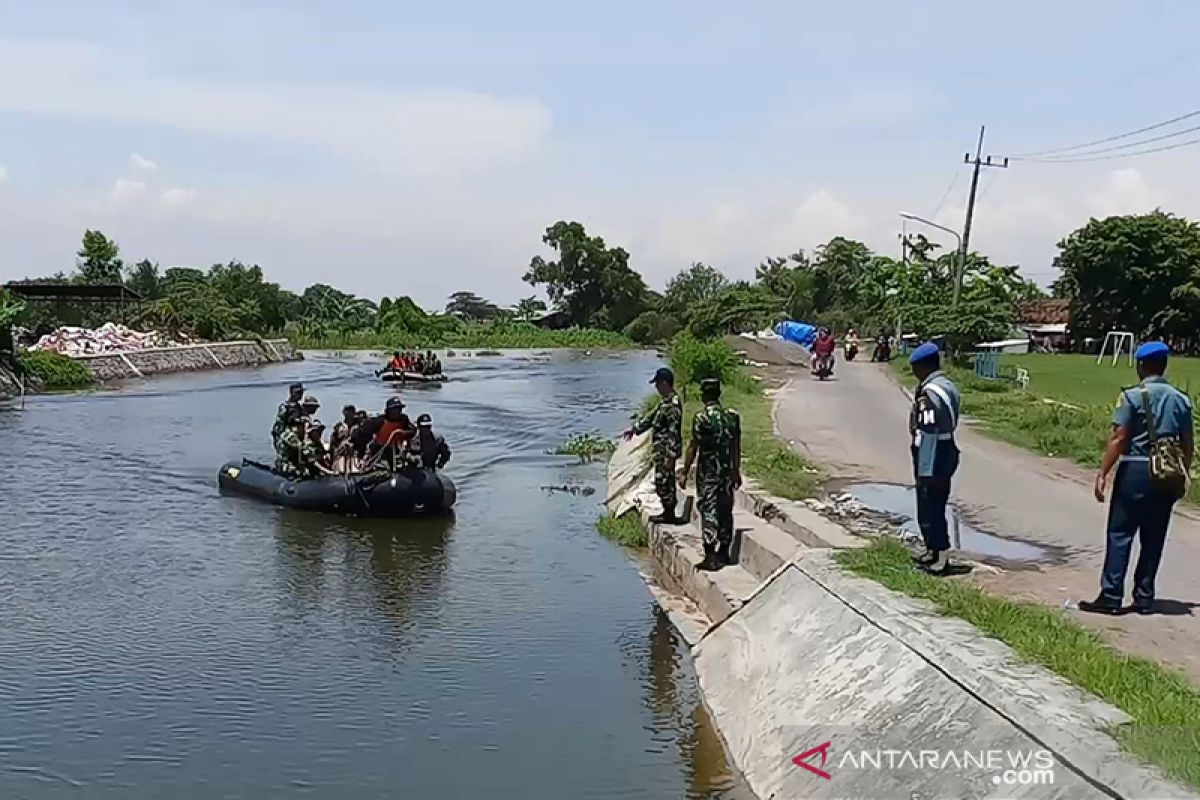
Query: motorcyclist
(852, 344)
(822, 348)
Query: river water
(160, 640)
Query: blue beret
(925, 351)
(1152, 350)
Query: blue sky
(394, 148)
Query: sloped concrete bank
(827, 685)
(220, 355)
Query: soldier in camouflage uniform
(717, 439)
(289, 412)
(666, 443)
(296, 455)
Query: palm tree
(528, 308)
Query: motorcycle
(851, 350)
(883, 350)
(823, 367)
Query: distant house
(554, 321)
(1047, 322)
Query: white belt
(1135, 458)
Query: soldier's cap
(309, 400)
(425, 420)
(924, 353)
(349, 408)
(296, 387)
(708, 384)
(1152, 350)
(663, 374)
(394, 402)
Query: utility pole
(966, 237)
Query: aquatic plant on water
(587, 446)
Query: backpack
(1168, 469)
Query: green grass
(1067, 410)
(1164, 705)
(516, 336)
(56, 372)
(626, 529)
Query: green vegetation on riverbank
(765, 458)
(506, 336)
(1066, 411)
(1164, 705)
(626, 529)
(56, 372)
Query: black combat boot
(665, 518)
(712, 561)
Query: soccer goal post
(1117, 340)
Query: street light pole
(958, 268)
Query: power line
(1106, 140)
(1117, 147)
(950, 188)
(1127, 153)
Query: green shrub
(54, 370)
(626, 529)
(652, 327)
(694, 359)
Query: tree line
(1136, 273)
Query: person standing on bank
(931, 425)
(666, 443)
(1152, 445)
(717, 439)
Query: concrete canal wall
(221, 355)
(795, 657)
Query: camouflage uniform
(287, 414)
(715, 429)
(296, 455)
(666, 444)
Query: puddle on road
(900, 502)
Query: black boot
(1101, 605)
(665, 518)
(724, 557)
(711, 562)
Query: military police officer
(1151, 446)
(717, 439)
(931, 424)
(288, 412)
(666, 442)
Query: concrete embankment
(827, 685)
(220, 355)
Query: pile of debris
(108, 338)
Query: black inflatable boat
(371, 495)
(410, 377)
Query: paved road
(855, 426)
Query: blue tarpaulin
(801, 333)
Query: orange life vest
(383, 436)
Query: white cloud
(177, 196)
(736, 236)
(126, 191)
(417, 131)
(1125, 192)
(141, 163)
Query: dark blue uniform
(1137, 507)
(932, 422)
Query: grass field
(1079, 379)
(1164, 705)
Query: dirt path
(856, 428)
